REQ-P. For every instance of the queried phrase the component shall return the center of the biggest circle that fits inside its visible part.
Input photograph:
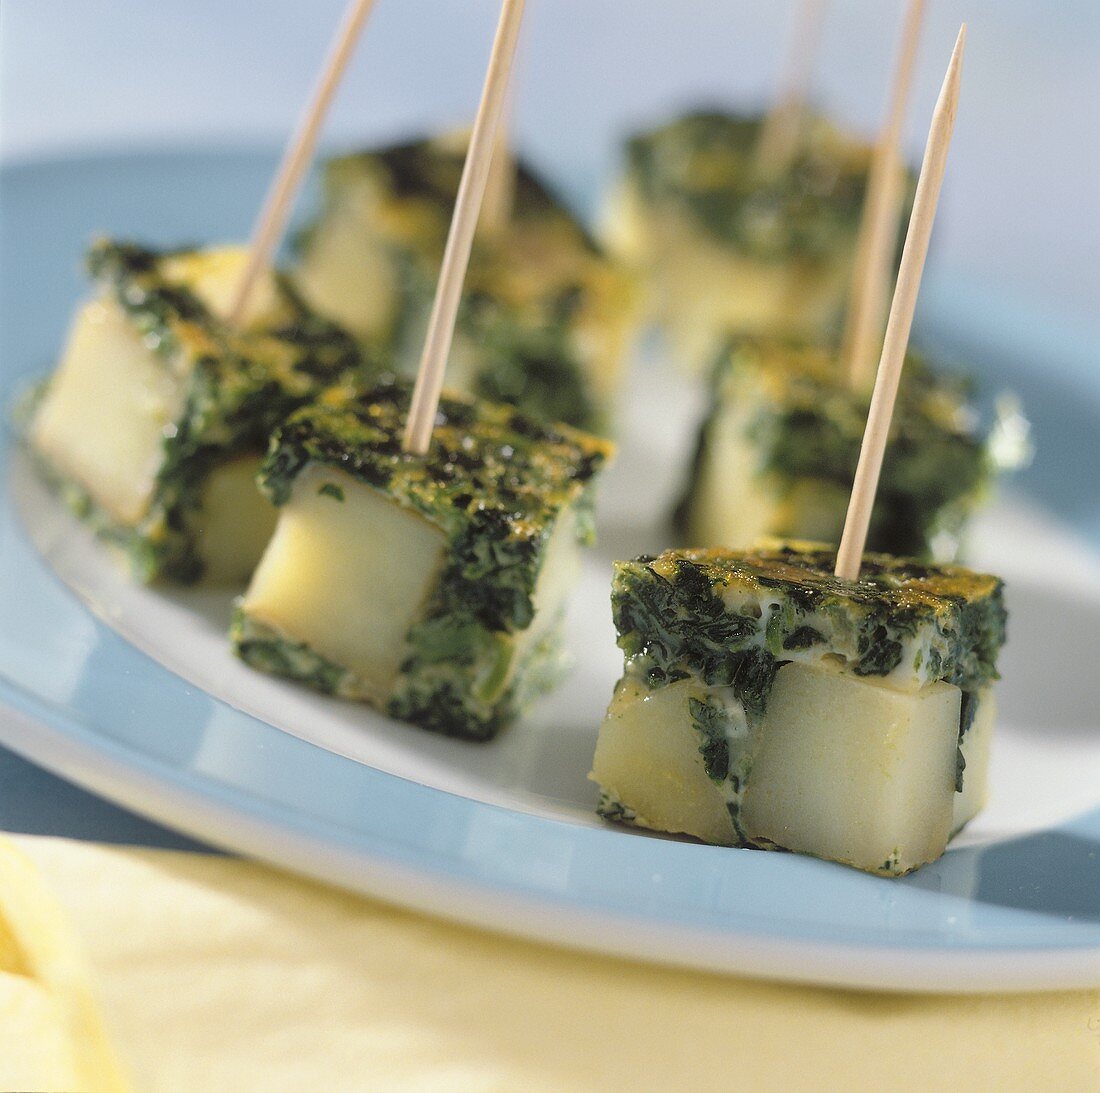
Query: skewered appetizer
(546, 319)
(432, 587)
(778, 448)
(725, 247)
(767, 703)
(155, 421)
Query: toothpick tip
(949, 92)
(960, 47)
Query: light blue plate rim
(82, 702)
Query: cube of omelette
(432, 587)
(156, 418)
(778, 447)
(546, 319)
(766, 703)
(721, 247)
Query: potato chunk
(104, 419)
(346, 273)
(546, 317)
(433, 586)
(768, 703)
(778, 446)
(647, 755)
(234, 522)
(853, 770)
(347, 573)
(154, 423)
(214, 275)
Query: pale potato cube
(736, 501)
(558, 576)
(235, 521)
(648, 758)
(733, 505)
(214, 276)
(106, 412)
(706, 290)
(347, 577)
(850, 769)
(347, 274)
(624, 224)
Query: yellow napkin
(51, 1035)
(220, 974)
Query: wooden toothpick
(900, 322)
(500, 189)
(456, 256)
(878, 228)
(781, 130)
(271, 222)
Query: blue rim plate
(1020, 912)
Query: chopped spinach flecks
(428, 171)
(266, 649)
(684, 613)
(802, 637)
(238, 385)
(711, 629)
(711, 723)
(703, 167)
(734, 809)
(805, 426)
(330, 489)
(498, 485)
(879, 652)
(968, 708)
(611, 809)
(544, 311)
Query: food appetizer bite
(777, 450)
(433, 586)
(793, 697)
(155, 420)
(725, 247)
(768, 703)
(778, 446)
(425, 542)
(546, 319)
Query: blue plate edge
(149, 768)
